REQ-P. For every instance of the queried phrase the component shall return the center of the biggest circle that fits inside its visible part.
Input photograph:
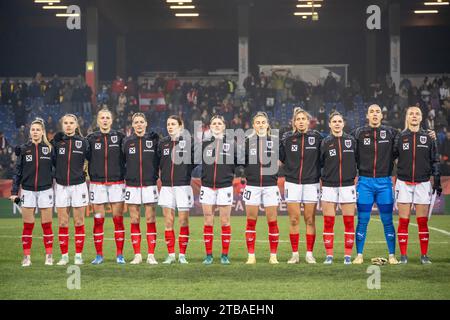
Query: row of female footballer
(125, 170)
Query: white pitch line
(415, 225)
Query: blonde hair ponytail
(41, 122)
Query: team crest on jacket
(348, 143)
(423, 139)
(78, 144)
(294, 147)
(311, 140)
(182, 144)
(45, 150)
(383, 134)
(114, 139)
(149, 143)
(98, 146)
(269, 144)
(226, 147)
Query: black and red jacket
(300, 154)
(338, 161)
(261, 158)
(219, 159)
(106, 157)
(178, 172)
(141, 159)
(69, 157)
(375, 150)
(34, 168)
(418, 156)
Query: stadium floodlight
(182, 7)
(186, 14)
(305, 13)
(55, 7)
(67, 15)
(440, 3)
(425, 11)
(47, 1)
(179, 1)
(309, 6)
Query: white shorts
(417, 194)
(100, 193)
(71, 196)
(256, 196)
(37, 199)
(220, 197)
(306, 193)
(141, 195)
(181, 197)
(339, 194)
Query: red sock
(273, 236)
(226, 239)
(119, 234)
(63, 237)
(310, 239)
(250, 235)
(208, 236)
(349, 234)
(424, 235)
(27, 238)
(79, 239)
(294, 241)
(328, 234)
(98, 234)
(183, 239)
(136, 237)
(170, 240)
(402, 234)
(151, 237)
(47, 237)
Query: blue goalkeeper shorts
(375, 190)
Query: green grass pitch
(235, 281)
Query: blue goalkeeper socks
(389, 230)
(361, 228)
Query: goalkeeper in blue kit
(375, 163)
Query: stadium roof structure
(138, 15)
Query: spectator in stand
(160, 82)
(172, 84)
(397, 122)
(441, 121)
(144, 87)
(277, 83)
(5, 92)
(50, 125)
(67, 97)
(444, 151)
(429, 122)
(321, 119)
(299, 90)
(118, 86)
(103, 96)
(330, 88)
(86, 93)
(444, 92)
(288, 85)
(131, 88)
(77, 99)
(22, 136)
(5, 158)
(20, 114)
(249, 85)
(121, 104)
(3, 142)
